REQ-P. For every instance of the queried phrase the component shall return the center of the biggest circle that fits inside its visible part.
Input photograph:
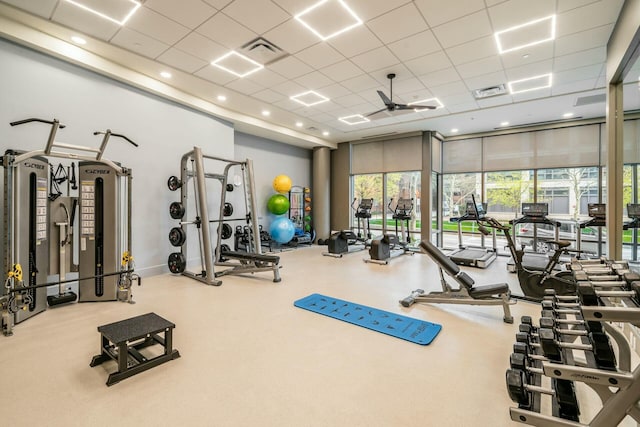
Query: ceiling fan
(392, 106)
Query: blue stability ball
(282, 230)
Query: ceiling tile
(291, 36)
(472, 51)
(579, 59)
(189, 13)
(182, 60)
(517, 12)
(494, 101)
(290, 67)
(139, 43)
(440, 77)
(565, 5)
(266, 78)
(218, 4)
(363, 82)
(587, 17)
(313, 80)
(530, 70)
(356, 41)
(414, 46)
(215, 75)
(334, 91)
(267, 95)
(375, 59)
(462, 108)
(428, 63)
(341, 71)
(534, 94)
(573, 87)
(369, 9)
(201, 47)
(287, 104)
(486, 80)
(583, 40)
(528, 55)
(86, 22)
(349, 100)
(259, 15)
(437, 12)
(410, 85)
(152, 24)
(42, 8)
(226, 31)
(480, 67)
(449, 90)
(319, 56)
(578, 73)
(244, 86)
(475, 26)
(322, 118)
(386, 26)
(290, 88)
(399, 70)
(294, 7)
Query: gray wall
(271, 159)
(35, 85)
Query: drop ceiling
(437, 49)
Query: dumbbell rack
(548, 360)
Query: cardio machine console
(536, 210)
(597, 210)
(475, 210)
(633, 210)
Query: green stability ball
(278, 204)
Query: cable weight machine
(31, 219)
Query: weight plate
(177, 236)
(176, 210)
(227, 231)
(176, 262)
(228, 209)
(229, 187)
(173, 183)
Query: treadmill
(473, 256)
(534, 213)
(598, 214)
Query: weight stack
(99, 230)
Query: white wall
(35, 85)
(271, 159)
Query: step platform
(121, 341)
(396, 325)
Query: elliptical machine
(346, 241)
(391, 246)
(533, 282)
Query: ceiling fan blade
(415, 107)
(376, 112)
(384, 97)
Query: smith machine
(192, 167)
(39, 228)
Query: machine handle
(49, 122)
(119, 135)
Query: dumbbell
(599, 345)
(588, 295)
(556, 308)
(563, 391)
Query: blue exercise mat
(396, 325)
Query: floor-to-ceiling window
(368, 186)
(457, 189)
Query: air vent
(488, 92)
(263, 51)
(591, 99)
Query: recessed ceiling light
(299, 124)
(567, 115)
(354, 119)
(237, 64)
(222, 98)
(528, 34)
(165, 74)
(78, 40)
(309, 98)
(525, 56)
(426, 101)
(124, 9)
(325, 133)
(330, 16)
(266, 113)
(454, 130)
(530, 83)
(504, 123)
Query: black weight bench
(249, 263)
(467, 293)
(121, 341)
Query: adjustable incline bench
(497, 294)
